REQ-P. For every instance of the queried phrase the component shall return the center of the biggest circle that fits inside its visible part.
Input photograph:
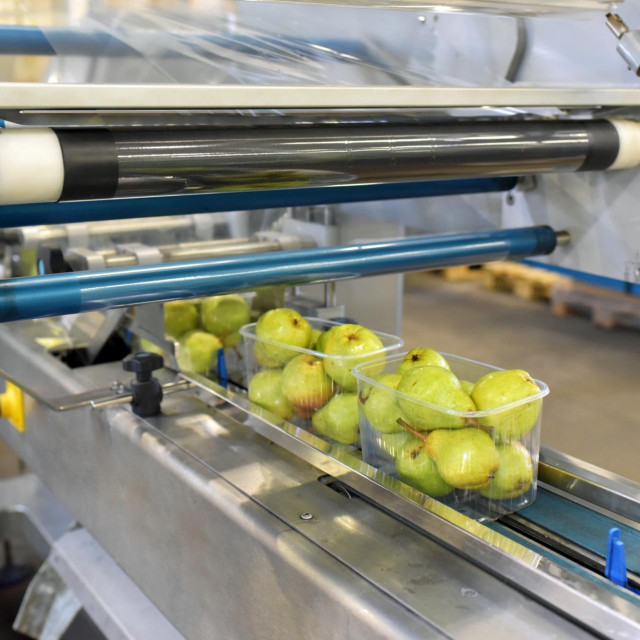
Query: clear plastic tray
(329, 408)
(478, 442)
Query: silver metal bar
(582, 600)
(98, 398)
(25, 96)
(202, 253)
(588, 482)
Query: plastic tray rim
(248, 331)
(544, 389)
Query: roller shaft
(83, 164)
(67, 293)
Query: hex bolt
(306, 516)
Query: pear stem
(408, 427)
(474, 423)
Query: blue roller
(85, 211)
(52, 41)
(66, 293)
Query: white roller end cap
(31, 166)
(629, 135)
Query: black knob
(143, 365)
(145, 389)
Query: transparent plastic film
(496, 7)
(239, 43)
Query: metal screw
(306, 516)
(422, 19)
(510, 199)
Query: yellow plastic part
(12, 406)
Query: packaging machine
(177, 153)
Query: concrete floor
(593, 410)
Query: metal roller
(101, 163)
(66, 293)
(48, 213)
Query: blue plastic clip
(223, 376)
(616, 567)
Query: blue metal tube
(52, 41)
(61, 294)
(90, 210)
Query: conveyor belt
(574, 531)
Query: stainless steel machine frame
(228, 533)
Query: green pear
(315, 334)
(391, 443)
(422, 357)
(514, 475)
(266, 298)
(223, 315)
(180, 316)
(338, 419)
(232, 340)
(437, 386)
(322, 340)
(352, 341)
(466, 458)
(306, 385)
(198, 351)
(284, 327)
(380, 406)
(265, 390)
(498, 388)
(418, 469)
(467, 386)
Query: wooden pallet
(608, 309)
(462, 273)
(524, 281)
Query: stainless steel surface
(196, 499)
(28, 96)
(29, 511)
(122, 612)
(116, 605)
(48, 607)
(588, 482)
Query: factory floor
(592, 411)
